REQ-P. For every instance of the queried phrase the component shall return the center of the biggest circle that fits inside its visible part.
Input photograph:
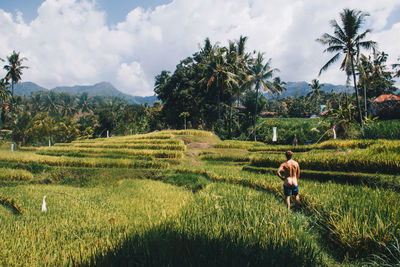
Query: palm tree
(84, 104)
(67, 104)
(239, 61)
(218, 72)
(14, 71)
(51, 104)
(315, 93)
(348, 42)
(260, 73)
(4, 92)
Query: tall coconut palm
(260, 74)
(346, 40)
(315, 92)
(239, 61)
(4, 92)
(14, 71)
(218, 72)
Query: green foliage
(383, 130)
(290, 130)
(190, 181)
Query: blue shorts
(288, 189)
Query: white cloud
(131, 76)
(70, 43)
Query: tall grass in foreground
(81, 222)
(358, 220)
(224, 225)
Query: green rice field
(186, 198)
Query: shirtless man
(292, 174)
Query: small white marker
(44, 209)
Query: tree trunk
(12, 95)
(230, 121)
(358, 100)
(219, 112)
(255, 115)
(365, 100)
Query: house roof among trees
(383, 98)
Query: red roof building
(383, 98)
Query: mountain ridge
(98, 89)
(107, 89)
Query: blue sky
(116, 9)
(128, 43)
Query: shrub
(383, 130)
(190, 181)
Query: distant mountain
(99, 89)
(302, 89)
(26, 88)
(107, 89)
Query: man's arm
(278, 172)
(298, 171)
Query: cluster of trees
(374, 78)
(214, 85)
(61, 117)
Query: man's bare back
(292, 172)
(290, 181)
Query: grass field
(118, 202)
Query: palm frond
(330, 62)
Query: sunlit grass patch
(224, 225)
(8, 174)
(27, 157)
(159, 146)
(132, 152)
(81, 222)
(359, 220)
(188, 132)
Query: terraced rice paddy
(184, 198)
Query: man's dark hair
(289, 154)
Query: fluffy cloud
(70, 43)
(131, 76)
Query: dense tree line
(61, 117)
